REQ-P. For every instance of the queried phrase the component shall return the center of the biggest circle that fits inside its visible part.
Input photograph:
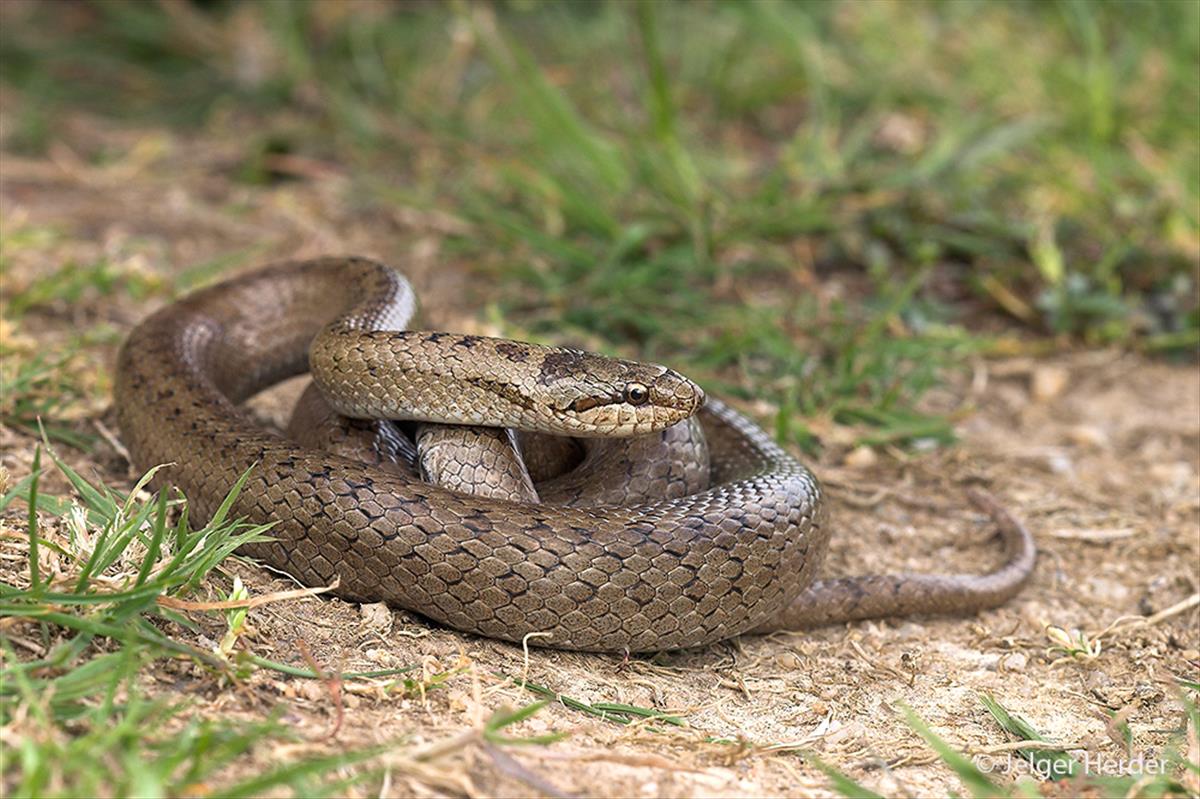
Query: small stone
(1048, 382)
(1017, 661)
(1088, 436)
(903, 133)
(1059, 463)
(1191, 654)
(860, 458)
(377, 616)
(787, 660)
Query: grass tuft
(75, 715)
(1044, 761)
(95, 612)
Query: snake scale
(656, 573)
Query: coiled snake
(667, 567)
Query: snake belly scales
(740, 555)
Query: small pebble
(860, 458)
(1048, 382)
(1058, 463)
(377, 616)
(1088, 436)
(1017, 661)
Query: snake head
(594, 395)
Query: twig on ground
(1126, 623)
(236, 604)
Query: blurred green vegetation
(820, 204)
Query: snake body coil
(741, 555)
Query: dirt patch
(1097, 451)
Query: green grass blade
(1050, 763)
(35, 569)
(159, 530)
(975, 780)
(296, 775)
(841, 783)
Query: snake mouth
(587, 403)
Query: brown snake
(741, 555)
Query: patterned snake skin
(739, 556)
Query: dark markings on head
(436, 337)
(468, 341)
(517, 353)
(562, 364)
(505, 390)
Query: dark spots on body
(517, 353)
(468, 342)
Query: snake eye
(636, 394)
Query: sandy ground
(1099, 452)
